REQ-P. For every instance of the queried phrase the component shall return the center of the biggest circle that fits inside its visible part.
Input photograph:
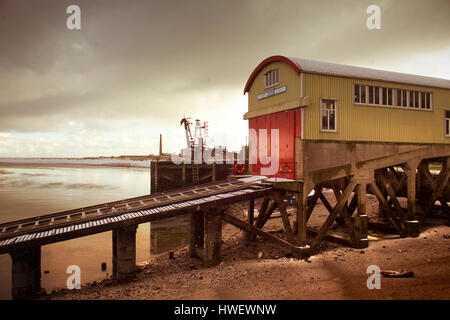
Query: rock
(397, 274)
(260, 254)
(362, 252)
(446, 236)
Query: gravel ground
(263, 270)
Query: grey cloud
(138, 61)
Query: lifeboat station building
(357, 131)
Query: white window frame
(328, 116)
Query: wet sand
(262, 270)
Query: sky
(135, 68)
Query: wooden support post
(124, 253)
(250, 217)
(387, 209)
(360, 232)
(338, 207)
(420, 182)
(259, 221)
(312, 203)
(213, 238)
(213, 173)
(284, 217)
(206, 236)
(26, 272)
(353, 204)
(393, 197)
(326, 203)
(197, 232)
(267, 214)
(343, 214)
(382, 215)
(183, 174)
(411, 224)
(441, 184)
(302, 215)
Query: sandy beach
(262, 270)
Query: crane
(194, 141)
(189, 139)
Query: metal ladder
(195, 174)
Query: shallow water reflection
(31, 190)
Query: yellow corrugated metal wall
(371, 123)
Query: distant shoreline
(138, 161)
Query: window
(328, 115)
(271, 78)
(405, 98)
(398, 98)
(416, 99)
(389, 96)
(447, 123)
(422, 100)
(371, 93)
(357, 95)
(377, 95)
(363, 94)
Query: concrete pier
(26, 272)
(124, 253)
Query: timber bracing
(391, 173)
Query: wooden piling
(360, 223)
(302, 215)
(197, 233)
(206, 236)
(26, 272)
(213, 238)
(250, 217)
(411, 224)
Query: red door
(289, 125)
